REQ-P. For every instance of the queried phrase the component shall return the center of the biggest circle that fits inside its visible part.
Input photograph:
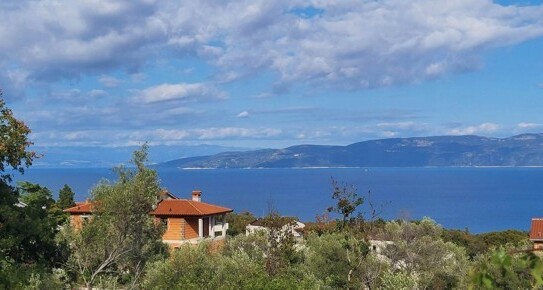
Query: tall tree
(14, 142)
(66, 197)
(38, 225)
(347, 200)
(121, 237)
(24, 235)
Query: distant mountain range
(95, 156)
(445, 151)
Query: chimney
(197, 195)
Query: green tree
(342, 260)
(239, 266)
(25, 231)
(66, 197)
(121, 236)
(14, 142)
(417, 249)
(347, 200)
(507, 268)
(39, 225)
(238, 222)
(281, 251)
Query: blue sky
(270, 73)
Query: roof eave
(191, 215)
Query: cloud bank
(88, 69)
(347, 44)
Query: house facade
(288, 224)
(190, 221)
(536, 233)
(186, 220)
(80, 213)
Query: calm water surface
(480, 199)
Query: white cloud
(109, 81)
(97, 93)
(204, 134)
(398, 125)
(352, 44)
(222, 133)
(478, 129)
(53, 46)
(360, 44)
(160, 136)
(389, 134)
(243, 114)
(527, 126)
(183, 91)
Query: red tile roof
(184, 207)
(536, 230)
(80, 208)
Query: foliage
(322, 225)
(195, 267)
(396, 280)
(238, 222)
(254, 246)
(507, 270)
(28, 247)
(481, 243)
(281, 252)
(342, 260)
(39, 226)
(14, 142)
(347, 200)
(66, 197)
(471, 243)
(121, 236)
(495, 240)
(327, 259)
(418, 250)
(188, 268)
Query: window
(85, 220)
(219, 219)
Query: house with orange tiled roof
(80, 213)
(186, 220)
(191, 220)
(536, 233)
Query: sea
(475, 199)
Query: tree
(20, 252)
(39, 226)
(14, 142)
(238, 222)
(347, 200)
(343, 260)
(417, 249)
(66, 197)
(121, 236)
(281, 251)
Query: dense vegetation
(120, 247)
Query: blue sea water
(479, 199)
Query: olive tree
(417, 249)
(121, 237)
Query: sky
(266, 73)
